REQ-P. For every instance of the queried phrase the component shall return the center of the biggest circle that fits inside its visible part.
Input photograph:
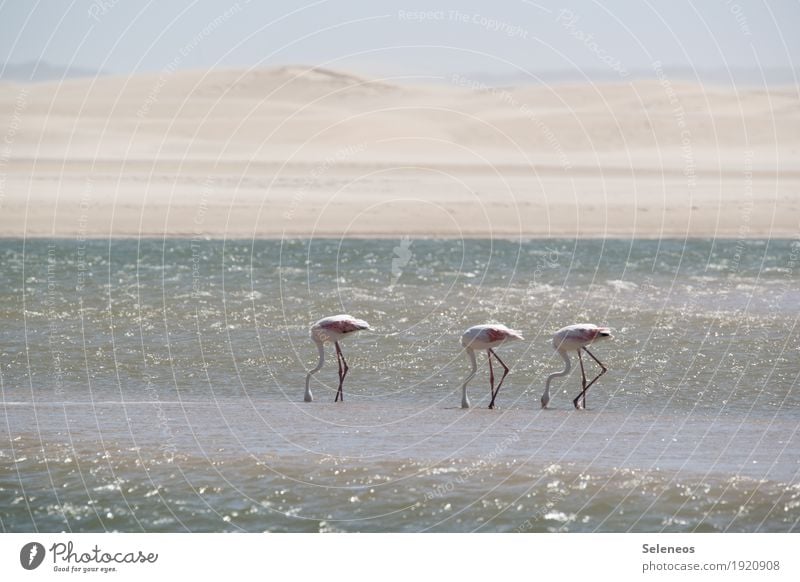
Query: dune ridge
(303, 151)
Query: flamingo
(333, 329)
(486, 337)
(575, 338)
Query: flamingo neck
(307, 397)
(474, 363)
(564, 372)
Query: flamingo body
(336, 327)
(486, 337)
(576, 338)
(327, 330)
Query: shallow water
(152, 385)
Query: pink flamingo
(575, 338)
(333, 329)
(486, 337)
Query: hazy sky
(415, 38)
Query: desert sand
(295, 151)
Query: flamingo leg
(491, 377)
(586, 386)
(339, 363)
(577, 402)
(343, 368)
(496, 391)
(599, 363)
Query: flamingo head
(545, 400)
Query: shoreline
(393, 236)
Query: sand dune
(318, 152)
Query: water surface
(156, 385)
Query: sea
(156, 385)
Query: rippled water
(157, 385)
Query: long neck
(464, 399)
(564, 372)
(321, 349)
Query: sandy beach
(299, 152)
